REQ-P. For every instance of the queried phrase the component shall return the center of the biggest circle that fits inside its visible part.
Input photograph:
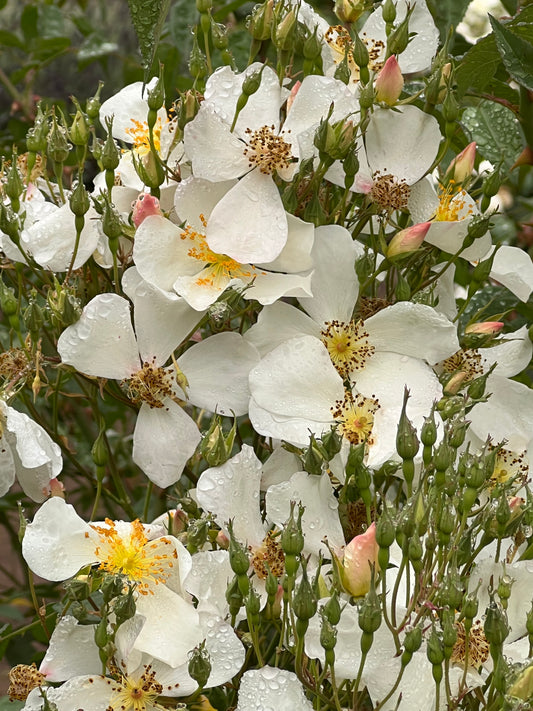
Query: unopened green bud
(415, 552)
(470, 606)
(413, 640)
(435, 648)
(407, 443)
(476, 389)
(457, 433)
(216, 447)
(312, 45)
(450, 108)
(197, 61)
(349, 11)
(92, 107)
(187, 108)
(156, 97)
(522, 685)
(304, 602)
(197, 534)
(111, 224)
(291, 538)
(366, 96)
(57, 144)
(449, 632)
(328, 637)
(342, 71)
(234, 597)
(478, 226)
(99, 451)
(332, 443)
(79, 130)
(369, 619)
(199, 665)
(260, 21)
(491, 184)
(110, 155)
(360, 53)
(451, 591)
(314, 457)
(388, 10)
(13, 187)
(111, 587)
(385, 530)
(219, 35)
(253, 606)
(238, 557)
(505, 584)
(79, 199)
(450, 406)
(332, 609)
(475, 474)
(101, 636)
(496, 628)
(37, 134)
(8, 300)
(285, 32)
(77, 589)
(399, 38)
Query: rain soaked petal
(270, 688)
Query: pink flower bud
(359, 555)
(389, 82)
(55, 488)
(143, 207)
(489, 328)
(461, 167)
(292, 95)
(408, 240)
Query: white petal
(385, 377)
(421, 49)
(7, 467)
(249, 224)
(58, 542)
(296, 430)
(508, 413)
(225, 649)
(335, 285)
(278, 323)
(71, 651)
(224, 87)
(128, 105)
(269, 688)
(513, 268)
(413, 329)
(296, 254)
(231, 491)
(163, 441)
(393, 135)
(297, 379)
(216, 153)
(217, 369)
(512, 356)
(209, 579)
(449, 236)
(195, 197)
(269, 287)
(172, 626)
(162, 322)
(320, 519)
(279, 467)
(160, 254)
(102, 342)
(90, 693)
(51, 240)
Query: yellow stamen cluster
(140, 136)
(340, 43)
(129, 553)
(478, 646)
(348, 345)
(389, 193)
(136, 694)
(152, 385)
(452, 201)
(355, 417)
(220, 266)
(467, 361)
(267, 151)
(509, 465)
(271, 553)
(22, 679)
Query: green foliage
(496, 131)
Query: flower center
(268, 553)
(478, 646)
(341, 44)
(151, 384)
(451, 204)
(464, 361)
(220, 267)
(22, 679)
(267, 151)
(136, 694)
(140, 136)
(130, 553)
(355, 417)
(509, 465)
(348, 345)
(389, 193)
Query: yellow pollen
(219, 267)
(144, 562)
(140, 136)
(267, 151)
(271, 553)
(348, 345)
(355, 417)
(389, 193)
(452, 201)
(151, 384)
(136, 694)
(478, 646)
(464, 361)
